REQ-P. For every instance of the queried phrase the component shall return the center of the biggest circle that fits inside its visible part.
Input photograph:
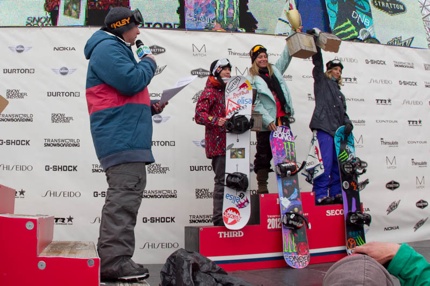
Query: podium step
(260, 246)
(29, 256)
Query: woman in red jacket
(210, 112)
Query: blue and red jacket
(118, 101)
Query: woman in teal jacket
(273, 101)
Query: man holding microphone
(121, 127)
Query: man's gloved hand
(348, 129)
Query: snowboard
(237, 200)
(350, 168)
(293, 224)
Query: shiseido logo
(155, 94)
(199, 51)
(64, 71)
(422, 204)
(380, 81)
(200, 72)
(412, 102)
(403, 65)
(391, 7)
(417, 122)
(19, 49)
(62, 194)
(392, 185)
(156, 50)
(383, 101)
(375, 62)
(347, 60)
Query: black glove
(315, 31)
(348, 129)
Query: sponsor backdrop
(47, 155)
(399, 23)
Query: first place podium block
(259, 246)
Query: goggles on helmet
(221, 63)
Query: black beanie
(119, 20)
(334, 63)
(258, 50)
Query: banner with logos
(350, 20)
(47, 154)
(399, 23)
(424, 6)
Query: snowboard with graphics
(293, 223)
(237, 200)
(350, 168)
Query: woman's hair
(339, 80)
(255, 70)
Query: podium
(259, 245)
(29, 256)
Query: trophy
(294, 18)
(299, 44)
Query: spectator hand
(348, 129)
(380, 251)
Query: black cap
(334, 63)
(119, 20)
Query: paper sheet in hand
(169, 93)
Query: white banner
(47, 154)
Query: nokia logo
(64, 49)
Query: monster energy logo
(225, 11)
(289, 244)
(359, 240)
(343, 156)
(346, 31)
(289, 149)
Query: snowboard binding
(238, 124)
(287, 169)
(294, 220)
(358, 218)
(355, 165)
(237, 181)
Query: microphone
(142, 50)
